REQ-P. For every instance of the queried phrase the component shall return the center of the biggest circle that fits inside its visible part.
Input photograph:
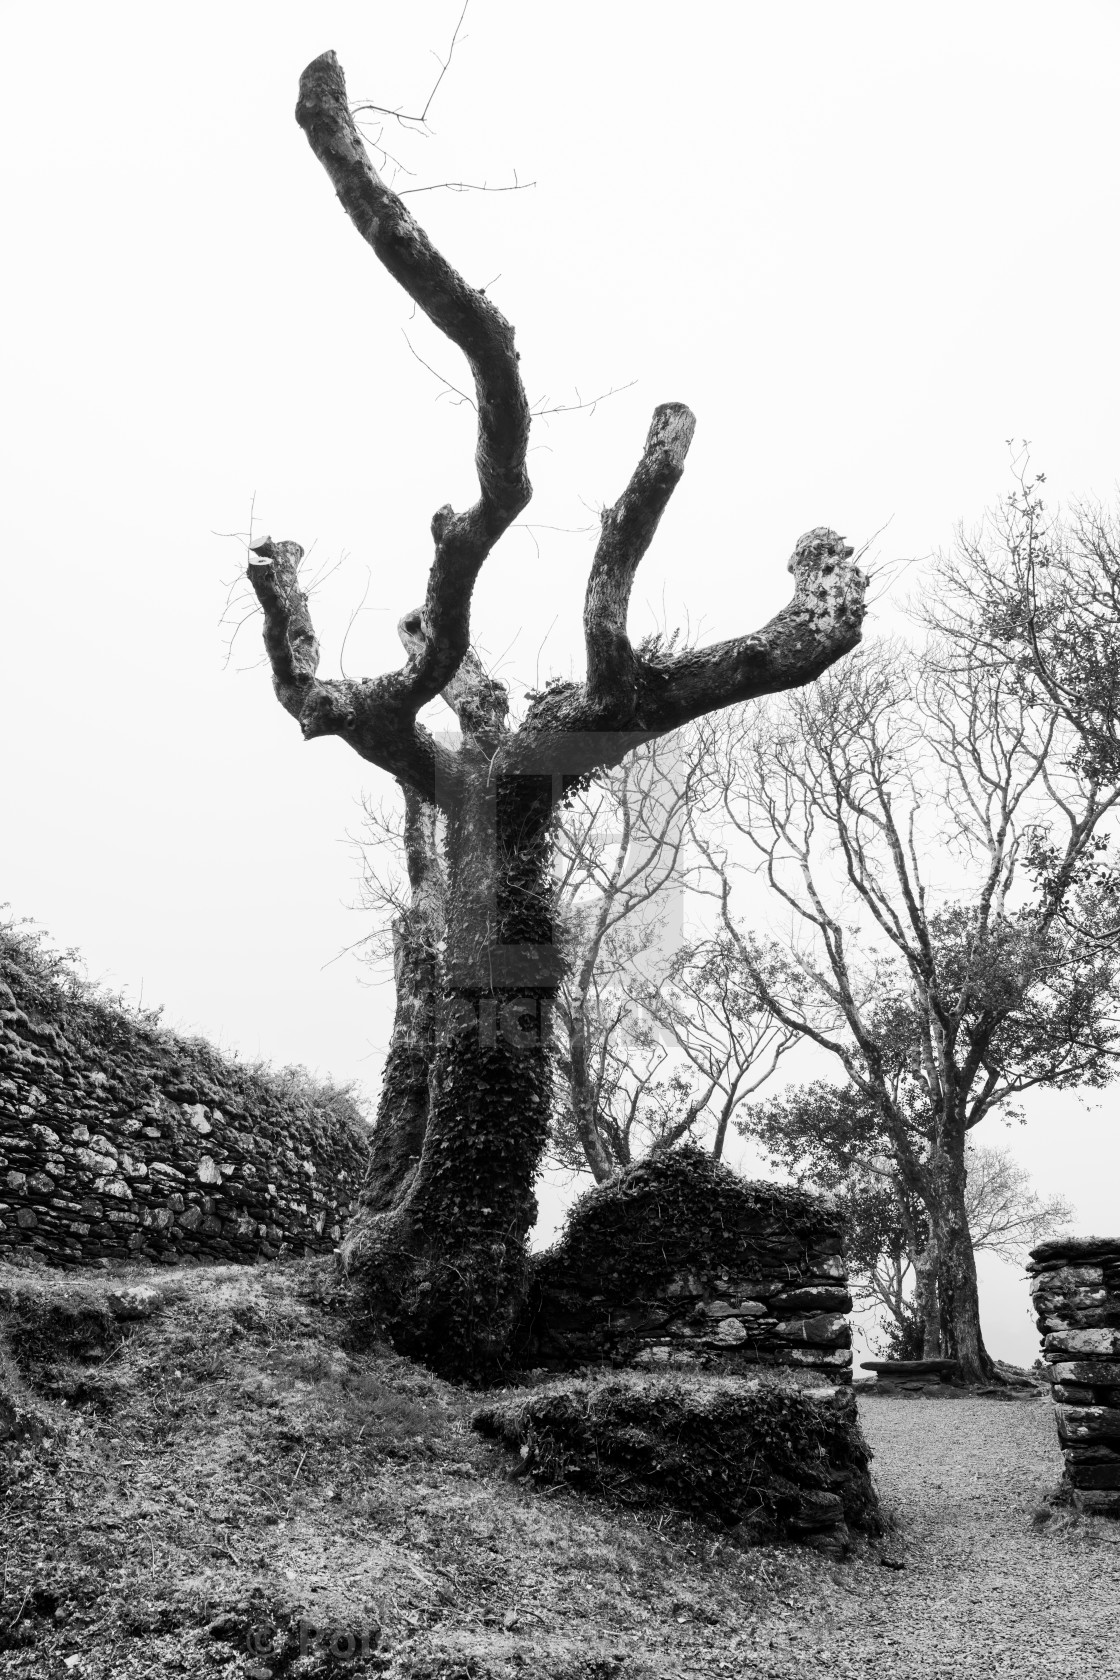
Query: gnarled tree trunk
(406, 1081)
(444, 1267)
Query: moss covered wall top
(679, 1260)
(119, 1139)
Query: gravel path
(983, 1593)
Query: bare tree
(890, 810)
(621, 869)
(729, 1041)
(661, 1036)
(438, 1252)
(1006, 1214)
(1039, 594)
(833, 1138)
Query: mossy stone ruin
(759, 1455)
(120, 1140)
(680, 1262)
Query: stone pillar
(1075, 1286)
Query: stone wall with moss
(680, 1262)
(122, 1141)
(1075, 1287)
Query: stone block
(1106, 1317)
(815, 1300)
(1070, 1394)
(1094, 1475)
(826, 1330)
(136, 1301)
(1067, 1277)
(1087, 1371)
(834, 1359)
(1075, 1251)
(98, 1164)
(1098, 1502)
(1087, 1423)
(1097, 1453)
(1100, 1343)
(162, 1169)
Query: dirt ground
(228, 1471)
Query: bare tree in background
(1006, 1214)
(621, 871)
(1039, 594)
(728, 1042)
(437, 1252)
(660, 1036)
(833, 1138)
(891, 809)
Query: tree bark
(957, 1288)
(402, 1110)
(444, 1270)
(584, 1096)
(925, 1300)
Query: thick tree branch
(580, 732)
(289, 637)
(628, 528)
(821, 623)
(479, 701)
(471, 321)
(373, 717)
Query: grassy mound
(210, 1467)
(780, 1460)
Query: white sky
(867, 244)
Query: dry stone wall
(121, 1141)
(680, 1262)
(1075, 1286)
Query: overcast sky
(867, 244)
